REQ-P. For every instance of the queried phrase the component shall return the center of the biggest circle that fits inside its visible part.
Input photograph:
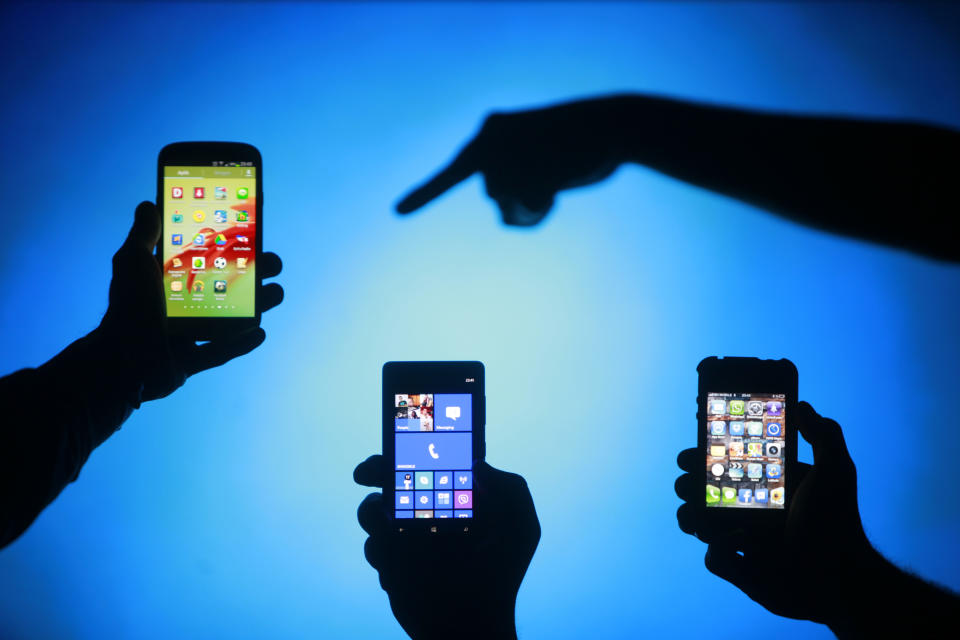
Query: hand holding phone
(452, 586)
(135, 326)
(809, 565)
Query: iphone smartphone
(747, 439)
(210, 196)
(433, 437)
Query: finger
(145, 232)
(372, 472)
(687, 518)
(219, 352)
(462, 167)
(509, 492)
(723, 561)
(371, 516)
(270, 265)
(270, 296)
(689, 459)
(824, 436)
(686, 487)
(374, 553)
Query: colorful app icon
(241, 263)
(755, 470)
(773, 471)
(199, 215)
(718, 427)
(736, 407)
(220, 215)
(242, 216)
(713, 494)
(220, 193)
(176, 239)
(243, 239)
(176, 217)
(424, 480)
(774, 430)
(736, 449)
(176, 263)
(404, 499)
(735, 470)
(745, 496)
(423, 499)
(736, 428)
(463, 513)
(443, 513)
(760, 495)
(219, 286)
(774, 408)
(198, 286)
(198, 193)
(220, 262)
(403, 515)
(774, 449)
(198, 240)
(717, 469)
(755, 449)
(444, 499)
(718, 450)
(728, 495)
(755, 428)
(176, 285)
(463, 499)
(221, 239)
(754, 408)
(243, 192)
(423, 513)
(444, 479)
(176, 192)
(463, 480)
(717, 407)
(404, 481)
(199, 262)
(776, 495)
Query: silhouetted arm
(820, 566)
(54, 416)
(887, 182)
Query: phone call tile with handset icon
(428, 451)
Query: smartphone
(747, 438)
(210, 196)
(433, 437)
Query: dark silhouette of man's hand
(811, 568)
(453, 585)
(134, 329)
(526, 157)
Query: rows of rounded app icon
(719, 407)
(200, 193)
(199, 263)
(198, 240)
(744, 495)
(754, 470)
(219, 215)
(752, 428)
(737, 449)
(198, 286)
(434, 499)
(434, 513)
(430, 480)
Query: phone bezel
(202, 154)
(747, 375)
(433, 377)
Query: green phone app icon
(713, 494)
(243, 192)
(729, 495)
(737, 407)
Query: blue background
(228, 510)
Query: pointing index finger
(460, 168)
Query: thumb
(824, 436)
(145, 232)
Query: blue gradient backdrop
(228, 510)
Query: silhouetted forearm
(54, 417)
(886, 601)
(887, 182)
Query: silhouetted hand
(453, 585)
(526, 157)
(811, 568)
(135, 325)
